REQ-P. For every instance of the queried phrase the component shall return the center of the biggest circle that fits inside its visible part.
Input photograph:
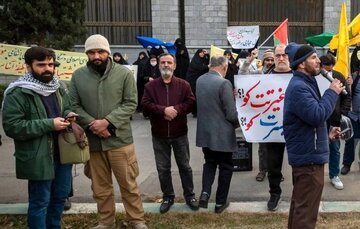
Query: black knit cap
(298, 53)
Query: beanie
(97, 41)
(298, 53)
(268, 53)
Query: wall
(332, 14)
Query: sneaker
(261, 176)
(221, 207)
(140, 226)
(193, 204)
(273, 203)
(203, 200)
(67, 204)
(165, 205)
(104, 226)
(345, 169)
(337, 182)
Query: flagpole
(266, 40)
(272, 34)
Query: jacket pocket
(26, 150)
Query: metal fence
(119, 20)
(305, 16)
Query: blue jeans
(162, 150)
(334, 160)
(47, 198)
(349, 152)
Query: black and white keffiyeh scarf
(29, 82)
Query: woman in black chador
(182, 59)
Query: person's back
(215, 133)
(217, 129)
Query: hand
(337, 86)
(104, 134)
(253, 55)
(151, 79)
(60, 123)
(170, 112)
(235, 92)
(71, 117)
(334, 133)
(98, 126)
(349, 81)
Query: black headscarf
(182, 59)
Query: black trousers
(224, 161)
(275, 155)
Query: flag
(354, 33)
(281, 33)
(216, 51)
(342, 56)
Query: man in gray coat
(217, 120)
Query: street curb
(239, 207)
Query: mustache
(47, 73)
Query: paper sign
(260, 103)
(243, 37)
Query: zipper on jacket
(315, 137)
(167, 104)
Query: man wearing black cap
(306, 135)
(343, 105)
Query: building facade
(204, 22)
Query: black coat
(182, 59)
(355, 62)
(343, 103)
(198, 66)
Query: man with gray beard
(167, 100)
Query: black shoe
(203, 200)
(165, 205)
(345, 169)
(221, 207)
(273, 203)
(193, 204)
(67, 205)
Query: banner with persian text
(243, 37)
(260, 102)
(12, 61)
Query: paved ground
(244, 188)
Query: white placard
(260, 103)
(243, 37)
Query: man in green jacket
(33, 114)
(103, 93)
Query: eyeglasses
(284, 55)
(269, 59)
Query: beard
(98, 65)
(44, 77)
(166, 72)
(312, 71)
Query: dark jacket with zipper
(305, 115)
(157, 96)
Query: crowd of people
(103, 95)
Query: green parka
(25, 120)
(112, 96)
